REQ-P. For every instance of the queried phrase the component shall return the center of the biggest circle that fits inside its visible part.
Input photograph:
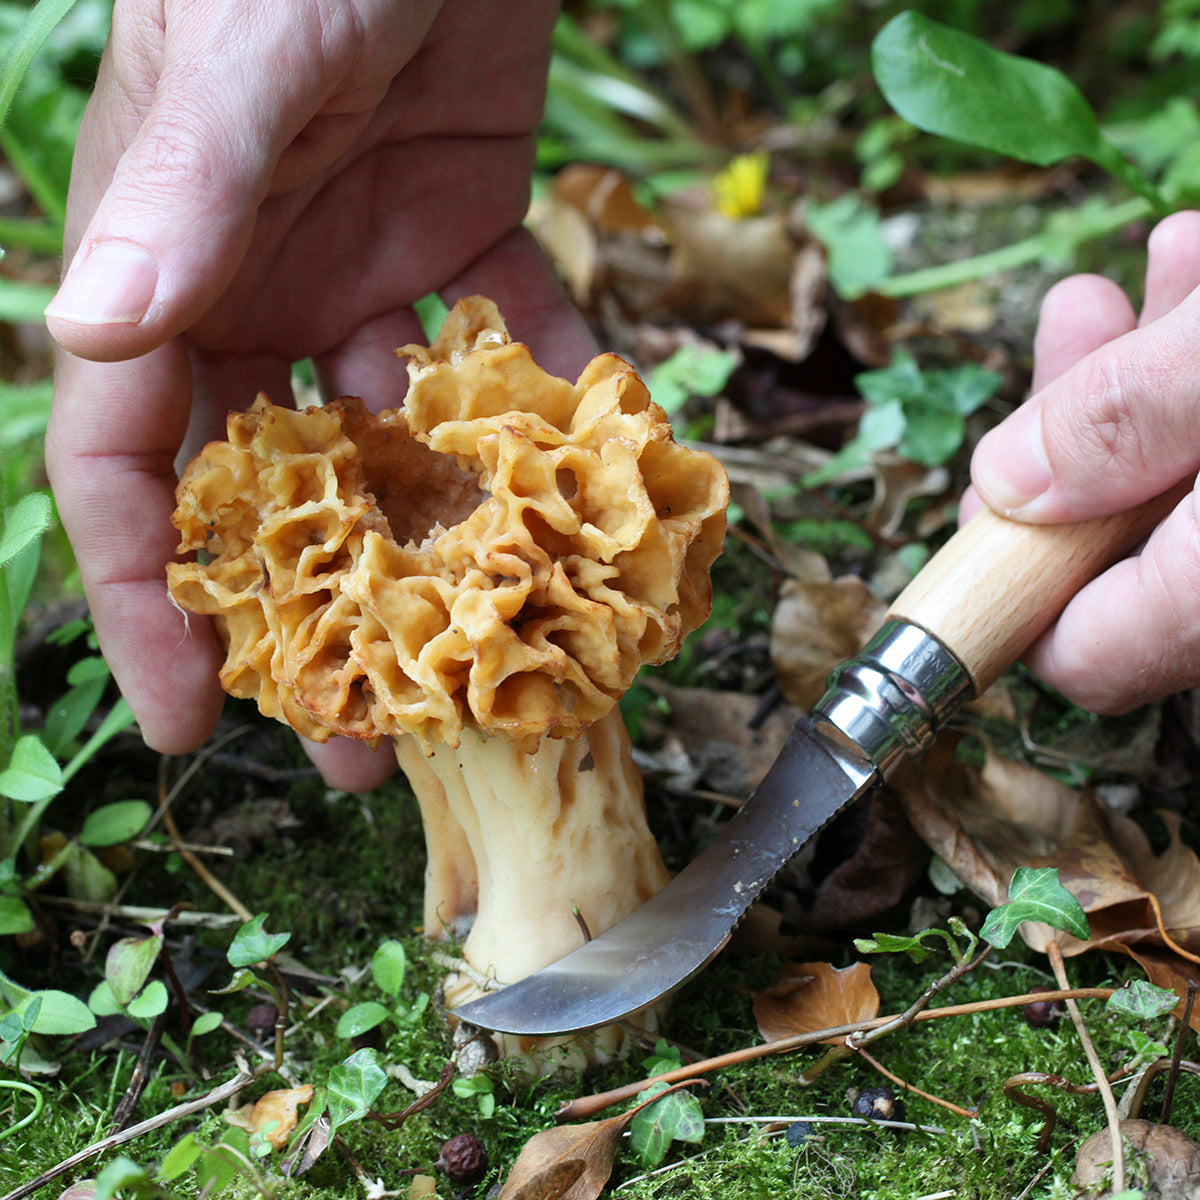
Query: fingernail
(113, 285)
(1010, 467)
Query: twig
(1014, 1090)
(140, 1076)
(1054, 953)
(822, 1120)
(969, 1113)
(586, 1106)
(1185, 1026)
(231, 1087)
(140, 915)
(1132, 1107)
(213, 884)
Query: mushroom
(477, 576)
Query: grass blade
(35, 29)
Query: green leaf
(242, 979)
(15, 915)
(114, 823)
(1142, 1000)
(665, 1058)
(121, 1173)
(353, 1087)
(152, 1000)
(891, 943)
(388, 966)
(952, 84)
(252, 944)
(695, 369)
(38, 25)
(60, 1014)
(360, 1018)
(128, 963)
(859, 257)
(102, 1001)
(1035, 894)
(676, 1117)
(24, 523)
(179, 1158)
(206, 1023)
(32, 774)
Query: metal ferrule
(891, 698)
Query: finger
(365, 364)
(110, 452)
(1077, 316)
(351, 766)
(1133, 634)
(1173, 264)
(1115, 429)
(518, 276)
(173, 221)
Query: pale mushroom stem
(523, 842)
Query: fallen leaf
(984, 823)
(279, 1107)
(818, 622)
(572, 1162)
(807, 997)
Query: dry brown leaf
(571, 1162)
(807, 997)
(279, 1107)
(818, 622)
(986, 823)
(729, 269)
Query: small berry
(1043, 1014)
(879, 1104)
(463, 1159)
(798, 1132)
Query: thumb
(1115, 429)
(176, 152)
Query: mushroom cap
(505, 550)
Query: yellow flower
(738, 189)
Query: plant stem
(18, 1085)
(586, 1106)
(1185, 1026)
(1054, 953)
(970, 1114)
(1028, 250)
(224, 1091)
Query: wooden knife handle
(997, 584)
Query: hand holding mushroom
(477, 576)
(256, 184)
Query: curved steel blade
(672, 936)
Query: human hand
(1114, 419)
(257, 184)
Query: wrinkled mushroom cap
(504, 551)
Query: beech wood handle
(997, 584)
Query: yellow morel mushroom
(478, 576)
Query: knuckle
(1106, 427)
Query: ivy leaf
(1142, 1000)
(676, 1117)
(892, 943)
(353, 1087)
(252, 944)
(1035, 894)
